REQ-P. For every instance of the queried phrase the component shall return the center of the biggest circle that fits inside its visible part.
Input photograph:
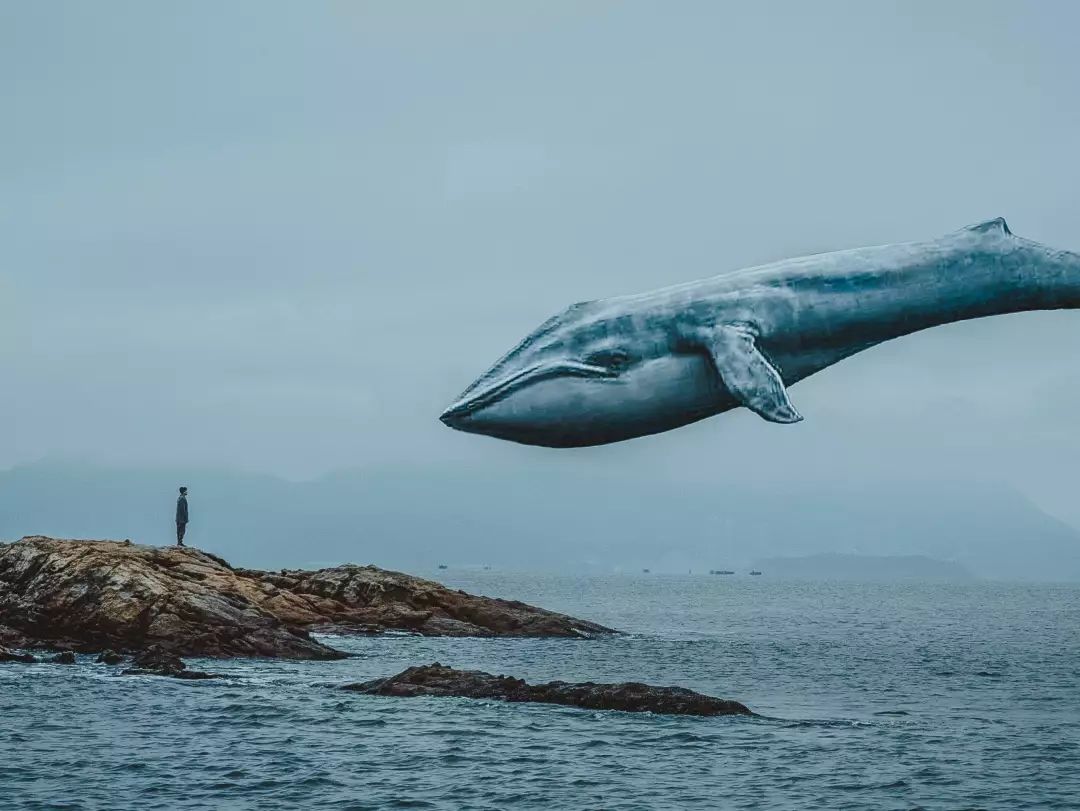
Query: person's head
(183, 491)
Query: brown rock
(93, 595)
(438, 680)
(367, 599)
(127, 597)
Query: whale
(614, 369)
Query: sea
(868, 696)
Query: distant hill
(546, 518)
(834, 566)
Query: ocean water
(871, 696)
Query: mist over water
(887, 696)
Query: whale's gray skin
(612, 369)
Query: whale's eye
(609, 358)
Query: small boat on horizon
(755, 571)
(721, 571)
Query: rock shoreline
(141, 608)
(154, 661)
(92, 596)
(438, 680)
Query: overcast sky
(281, 237)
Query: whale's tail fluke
(996, 225)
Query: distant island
(837, 566)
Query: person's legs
(180, 534)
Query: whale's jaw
(542, 437)
(571, 409)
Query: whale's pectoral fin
(748, 375)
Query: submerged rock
(64, 658)
(438, 680)
(7, 655)
(156, 661)
(95, 595)
(109, 657)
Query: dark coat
(181, 510)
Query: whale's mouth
(474, 400)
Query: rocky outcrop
(368, 599)
(10, 638)
(438, 680)
(95, 595)
(156, 661)
(87, 595)
(7, 655)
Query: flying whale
(613, 369)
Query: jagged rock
(7, 655)
(109, 657)
(93, 595)
(438, 680)
(156, 661)
(10, 638)
(127, 597)
(64, 658)
(157, 658)
(367, 599)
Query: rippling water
(873, 696)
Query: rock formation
(354, 598)
(7, 655)
(156, 661)
(95, 595)
(438, 680)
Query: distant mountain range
(545, 518)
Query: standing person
(181, 516)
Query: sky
(281, 237)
